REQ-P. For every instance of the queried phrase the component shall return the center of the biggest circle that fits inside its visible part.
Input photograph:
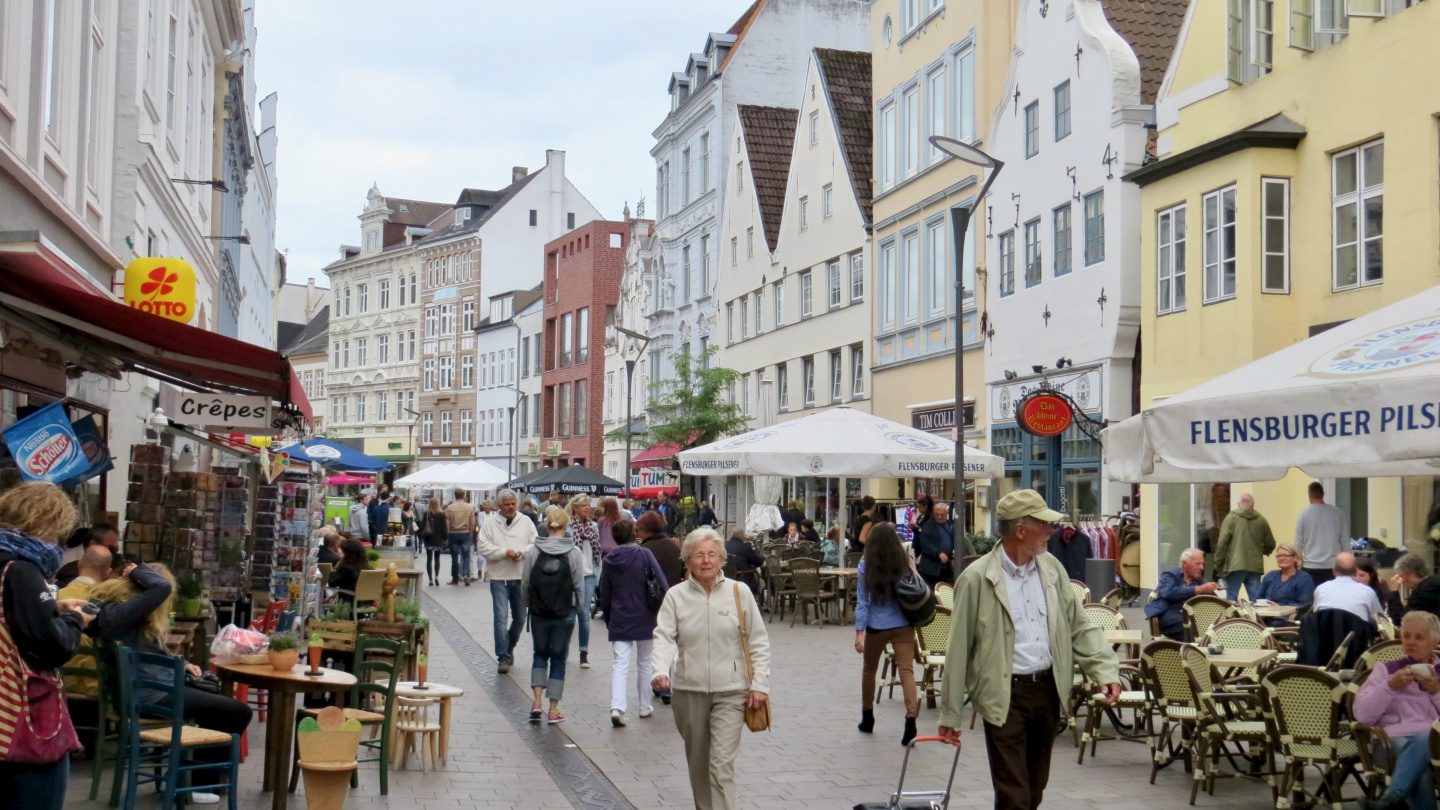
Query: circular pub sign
(1043, 414)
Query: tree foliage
(693, 407)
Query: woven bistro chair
(1386, 627)
(1134, 696)
(1200, 612)
(1342, 651)
(1382, 652)
(1082, 591)
(931, 642)
(778, 585)
(1241, 634)
(1113, 598)
(1224, 717)
(945, 596)
(1303, 705)
(805, 573)
(1165, 679)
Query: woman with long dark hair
(347, 571)
(436, 539)
(1368, 574)
(880, 621)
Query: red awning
(33, 290)
(652, 492)
(660, 452)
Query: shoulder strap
(744, 634)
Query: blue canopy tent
(335, 456)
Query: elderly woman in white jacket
(699, 623)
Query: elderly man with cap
(1016, 633)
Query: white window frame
(1213, 245)
(911, 263)
(782, 386)
(779, 304)
(804, 212)
(886, 275)
(427, 428)
(467, 371)
(833, 283)
(807, 294)
(748, 409)
(1033, 254)
(807, 374)
(384, 293)
(857, 371)
(1064, 244)
(1275, 247)
(837, 376)
(1006, 248)
(827, 197)
(429, 375)
(887, 136)
(937, 266)
(465, 422)
(914, 128)
(814, 122)
(1171, 288)
(857, 277)
(744, 317)
(1357, 198)
(937, 111)
(963, 91)
(760, 311)
(445, 425)
(1098, 195)
(1063, 123)
(1032, 129)
(730, 322)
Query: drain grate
(586, 787)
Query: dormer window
(404, 209)
(462, 215)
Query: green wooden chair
(83, 683)
(379, 667)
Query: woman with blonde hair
(585, 531)
(46, 632)
(699, 624)
(551, 581)
(135, 613)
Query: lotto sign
(164, 287)
(1044, 414)
(45, 446)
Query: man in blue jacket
(1176, 587)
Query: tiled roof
(476, 196)
(739, 29)
(769, 140)
(415, 212)
(312, 339)
(846, 76)
(1151, 27)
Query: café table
(410, 581)
(1234, 659)
(1273, 611)
(846, 577)
(440, 691)
(280, 719)
(1130, 639)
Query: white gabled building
(640, 252)
(1063, 251)
(497, 392)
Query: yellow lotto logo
(164, 287)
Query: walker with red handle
(918, 799)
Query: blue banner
(45, 446)
(97, 452)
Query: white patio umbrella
(425, 477)
(838, 442)
(1358, 401)
(477, 474)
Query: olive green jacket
(980, 656)
(1245, 540)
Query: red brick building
(581, 288)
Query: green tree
(693, 407)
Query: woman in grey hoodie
(551, 580)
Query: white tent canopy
(1358, 401)
(470, 475)
(838, 442)
(424, 477)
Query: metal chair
(1200, 612)
(931, 642)
(1303, 704)
(1136, 698)
(805, 573)
(1163, 668)
(1224, 717)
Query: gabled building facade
(498, 406)
(627, 388)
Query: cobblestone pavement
(813, 757)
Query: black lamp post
(959, 224)
(630, 391)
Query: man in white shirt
(1344, 592)
(503, 541)
(1321, 532)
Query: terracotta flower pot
(285, 660)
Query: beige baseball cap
(1025, 503)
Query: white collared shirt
(1346, 593)
(1030, 615)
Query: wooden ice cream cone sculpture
(328, 744)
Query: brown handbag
(755, 719)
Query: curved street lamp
(959, 224)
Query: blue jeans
(505, 598)
(552, 647)
(587, 595)
(1251, 581)
(1411, 777)
(459, 555)
(34, 787)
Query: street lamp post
(630, 391)
(959, 224)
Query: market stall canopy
(1360, 400)
(335, 456)
(34, 294)
(477, 474)
(520, 482)
(838, 442)
(424, 477)
(572, 480)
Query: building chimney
(518, 173)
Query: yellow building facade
(938, 67)
(1297, 186)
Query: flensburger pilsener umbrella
(1358, 401)
(838, 442)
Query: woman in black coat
(347, 574)
(436, 539)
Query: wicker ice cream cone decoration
(391, 582)
(328, 744)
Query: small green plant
(281, 643)
(189, 585)
(981, 542)
(372, 556)
(338, 612)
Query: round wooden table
(441, 692)
(280, 718)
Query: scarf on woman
(43, 555)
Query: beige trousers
(711, 724)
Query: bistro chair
(1105, 617)
(805, 573)
(1224, 717)
(1163, 668)
(368, 588)
(1241, 634)
(379, 667)
(82, 683)
(266, 623)
(931, 642)
(1342, 652)
(1385, 627)
(779, 587)
(852, 559)
(1135, 696)
(1199, 612)
(1113, 598)
(1380, 653)
(1303, 703)
(164, 756)
(1082, 591)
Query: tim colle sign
(220, 410)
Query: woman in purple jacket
(624, 599)
(1403, 698)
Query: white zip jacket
(703, 630)
(496, 538)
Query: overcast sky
(429, 96)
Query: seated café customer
(1344, 592)
(1367, 574)
(1403, 698)
(1413, 572)
(1177, 586)
(101, 534)
(347, 572)
(329, 546)
(747, 560)
(1289, 585)
(135, 613)
(82, 694)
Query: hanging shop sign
(1043, 414)
(217, 412)
(45, 446)
(657, 477)
(1083, 386)
(164, 287)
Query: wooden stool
(412, 723)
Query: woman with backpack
(551, 580)
(436, 539)
(632, 587)
(880, 621)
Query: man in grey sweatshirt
(1321, 532)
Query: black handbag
(207, 682)
(654, 592)
(916, 599)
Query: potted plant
(372, 556)
(284, 652)
(189, 587)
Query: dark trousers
(217, 713)
(1020, 750)
(1320, 575)
(34, 787)
(433, 556)
(460, 547)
